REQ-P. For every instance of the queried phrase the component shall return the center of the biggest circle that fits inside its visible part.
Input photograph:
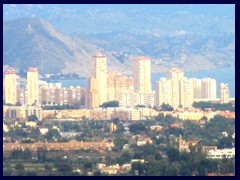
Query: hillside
(35, 42)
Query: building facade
(142, 75)
(225, 94)
(10, 87)
(32, 86)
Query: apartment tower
(225, 94)
(209, 88)
(32, 86)
(100, 74)
(142, 75)
(10, 87)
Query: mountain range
(34, 42)
(63, 38)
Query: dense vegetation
(58, 107)
(110, 104)
(162, 156)
(214, 106)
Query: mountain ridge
(36, 43)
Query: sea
(225, 75)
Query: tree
(31, 173)
(119, 142)
(32, 118)
(124, 158)
(160, 117)
(19, 167)
(7, 172)
(225, 142)
(87, 166)
(110, 104)
(41, 153)
(51, 134)
(166, 107)
(97, 173)
(27, 154)
(214, 106)
(47, 167)
(173, 154)
(64, 167)
(136, 166)
(18, 104)
(137, 128)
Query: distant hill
(35, 42)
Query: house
(184, 145)
(31, 124)
(208, 148)
(221, 153)
(43, 131)
(176, 125)
(137, 160)
(113, 169)
(141, 141)
(5, 128)
(156, 128)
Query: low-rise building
(138, 160)
(31, 124)
(43, 131)
(143, 141)
(5, 128)
(156, 128)
(113, 169)
(184, 145)
(22, 112)
(121, 113)
(221, 153)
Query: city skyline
(119, 90)
(175, 89)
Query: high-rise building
(176, 74)
(100, 74)
(164, 92)
(174, 90)
(225, 94)
(92, 95)
(32, 86)
(10, 87)
(142, 75)
(117, 83)
(209, 88)
(197, 88)
(187, 94)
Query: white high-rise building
(225, 94)
(175, 74)
(142, 75)
(197, 88)
(100, 73)
(209, 88)
(97, 92)
(174, 90)
(163, 92)
(187, 95)
(10, 87)
(32, 86)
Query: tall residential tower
(225, 94)
(32, 86)
(142, 75)
(10, 87)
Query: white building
(221, 153)
(142, 75)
